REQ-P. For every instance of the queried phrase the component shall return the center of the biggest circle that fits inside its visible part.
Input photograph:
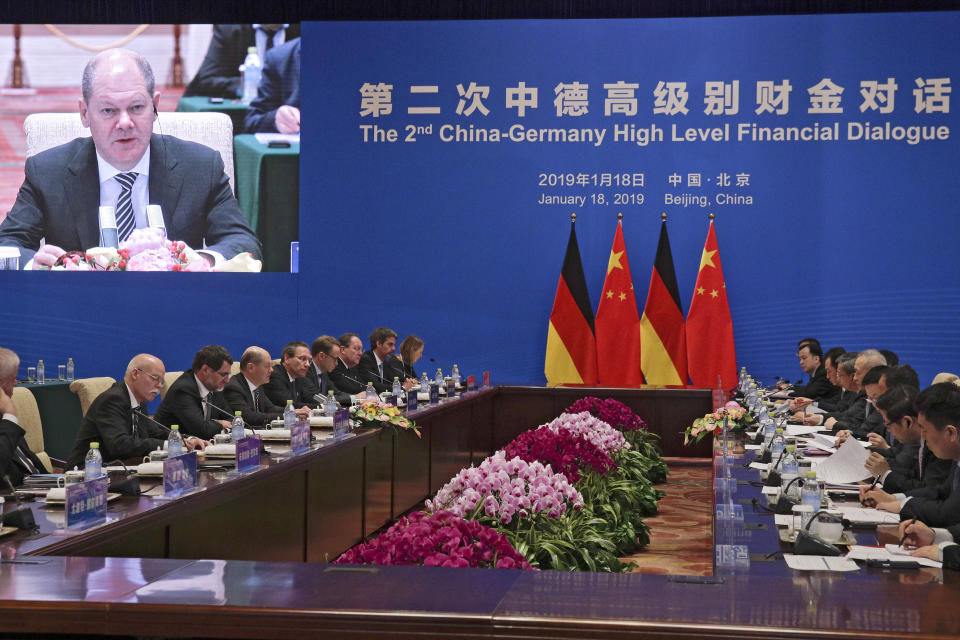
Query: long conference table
(246, 556)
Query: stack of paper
(867, 516)
(846, 465)
(859, 552)
(819, 563)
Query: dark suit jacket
(905, 470)
(838, 403)
(818, 387)
(368, 372)
(109, 421)
(237, 393)
(280, 85)
(182, 406)
(319, 382)
(395, 368)
(219, 74)
(347, 379)
(60, 197)
(853, 416)
(278, 389)
(937, 506)
(11, 436)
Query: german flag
(571, 345)
(710, 349)
(664, 347)
(618, 323)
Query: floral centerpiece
(737, 418)
(565, 451)
(439, 539)
(148, 250)
(382, 414)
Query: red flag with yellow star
(618, 323)
(710, 349)
(664, 351)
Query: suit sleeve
(10, 434)
(344, 382)
(227, 231)
(367, 370)
(237, 400)
(24, 225)
(113, 422)
(183, 407)
(219, 74)
(262, 114)
(934, 506)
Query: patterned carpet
(681, 536)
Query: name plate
(393, 399)
(411, 401)
(471, 383)
(87, 502)
(451, 389)
(300, 436)
(486, 379)
(248, 454)
(341, 423)
(434, 393)
(180, 474)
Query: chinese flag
(571, 345)
(710, 350)
(664, 346)
(618, 324)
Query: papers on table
(267, 138)
(783, 519)
(752, 447)
(770, 491)
(801, 430)
(891, 552)
(819, 563)
(846, 465)
(760, 466)
(861, 515)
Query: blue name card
(434, 393)
(248, 454)
(180, 474)
(87, 502)
(341, 423)
(300, 436)
(411, 401)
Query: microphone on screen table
(226, 413)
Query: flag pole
(663, 217)
(573, 218)
(711, 217)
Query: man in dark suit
(346, 375)
(818, 387)
(219, 75)
(16, 459)
(116, 418)
(277, 105)
(245, 391)
(383, 342)
(123, 165)
(287, 380)
(325, 355)
(195, 400)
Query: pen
(904, 538)
(875, 481)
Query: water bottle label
(179, 473)
(86, 503)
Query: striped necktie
(25, 461)
(126, 221)
(256, 399)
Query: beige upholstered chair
(215, 130)
(28, 414)
(88, 389)
(168, 379)
(235, 368)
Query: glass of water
(61, 372)
(31, 374)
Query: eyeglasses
(152, 376)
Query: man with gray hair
(118, 420)
(125, 166)
(245, 391)
(16, 459)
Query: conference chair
(168, 379)
(215, 130)
(87, 389)
(28, 415)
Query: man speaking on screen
(124, 165)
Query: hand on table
(410, 383)
(303, 413)
(872, 497)
(930, 552)
(916, 534)
(47, 256)
(876, 464)
(893, 506)
(192, 443)
(842, 436)
(288, 119)
(877, 441)
(830, 422)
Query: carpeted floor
(681, 535)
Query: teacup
(154, 468)
(57, 494)
(73, 476)
(830, 526)
(222, 438)
(157, 455)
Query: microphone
(159, 424)
(440, 364)
(129, 486)
(226, 413)
(21, 517)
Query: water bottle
(289, 415)
(371, 395)
(439, 377)
(93, 463)
(769, 429)
(424, 382)
(174, 441)
(397, 389)
(790, 470)
(251, 69)
(70, 370)
(810, 496)
(330, 406)
(236, 430)
(777, 446)
(40, 377)
(455, 374)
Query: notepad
(820, 563)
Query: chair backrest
(234, 368)
(28, 414)
(215, 130)
(87, 389)
(168, 379)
